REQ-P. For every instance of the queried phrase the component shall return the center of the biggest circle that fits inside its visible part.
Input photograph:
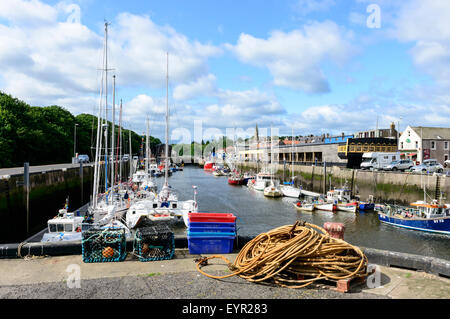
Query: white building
(420, 143)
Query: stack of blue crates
(210, 233)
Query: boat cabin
(431, 210)
(339, 194)
(65, 223)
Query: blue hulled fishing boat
(430, 217)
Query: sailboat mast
(120, 141)
(106, 107)
(147, 147)
(166, 166)
(131, 155)
(113, 177)
(292, 156)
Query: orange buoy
(108, 252)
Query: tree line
(45, 135)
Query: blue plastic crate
(212, 224)
(211, 245)
(212, 229)
(209, 234)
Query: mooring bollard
(335, 230)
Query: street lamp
(75, 139)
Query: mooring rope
(294, 256)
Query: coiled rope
(294, 256)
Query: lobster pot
(103, 245)
(154, 243)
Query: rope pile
(294, 256)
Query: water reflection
(257, 213)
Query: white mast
(113, 177)
(147, 149)
(292, 157)
(106, 106)
(166, 166)
(120, 142)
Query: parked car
(399, 165)
(428, 166)
(83, 158)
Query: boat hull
(327, 207)
(305, 207)
(236, 181)
(366, 206)
(347, 207)
(435, 225)
(289, 191)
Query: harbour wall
(385, 187)
(48, 191)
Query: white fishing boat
(63, 227)
(272, 190)
(322, 205)
(304, 206)
(342, 198)
(261, 181)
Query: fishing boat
(248, 177)
(208, 166)
(324, 205)
(304, 206)
(342, 198)
(423, 216)
(261, 181)
(236, 179)
(365, 206)
(272, 190)
(63, 227)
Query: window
(445, 157)
(52, 228)
(433, 145)
(68, 227)
(409, 133)
(401, 145)
(446, 145)
(417, 144)
(60, 227)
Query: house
(420, 143)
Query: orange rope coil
(294, 256)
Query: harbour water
(257, 214)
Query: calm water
(258, 214)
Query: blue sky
(314, 65)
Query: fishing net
(154, 243)
(103, 245)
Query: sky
(312, 66)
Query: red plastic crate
(212, 217)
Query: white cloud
(204, 85)
(294, 58)
(426, 24)
(305, 7)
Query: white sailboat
(290, 190)
(166, 206)
(272, 190)
(109, 207)
(143, 177)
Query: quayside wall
(385, 187)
